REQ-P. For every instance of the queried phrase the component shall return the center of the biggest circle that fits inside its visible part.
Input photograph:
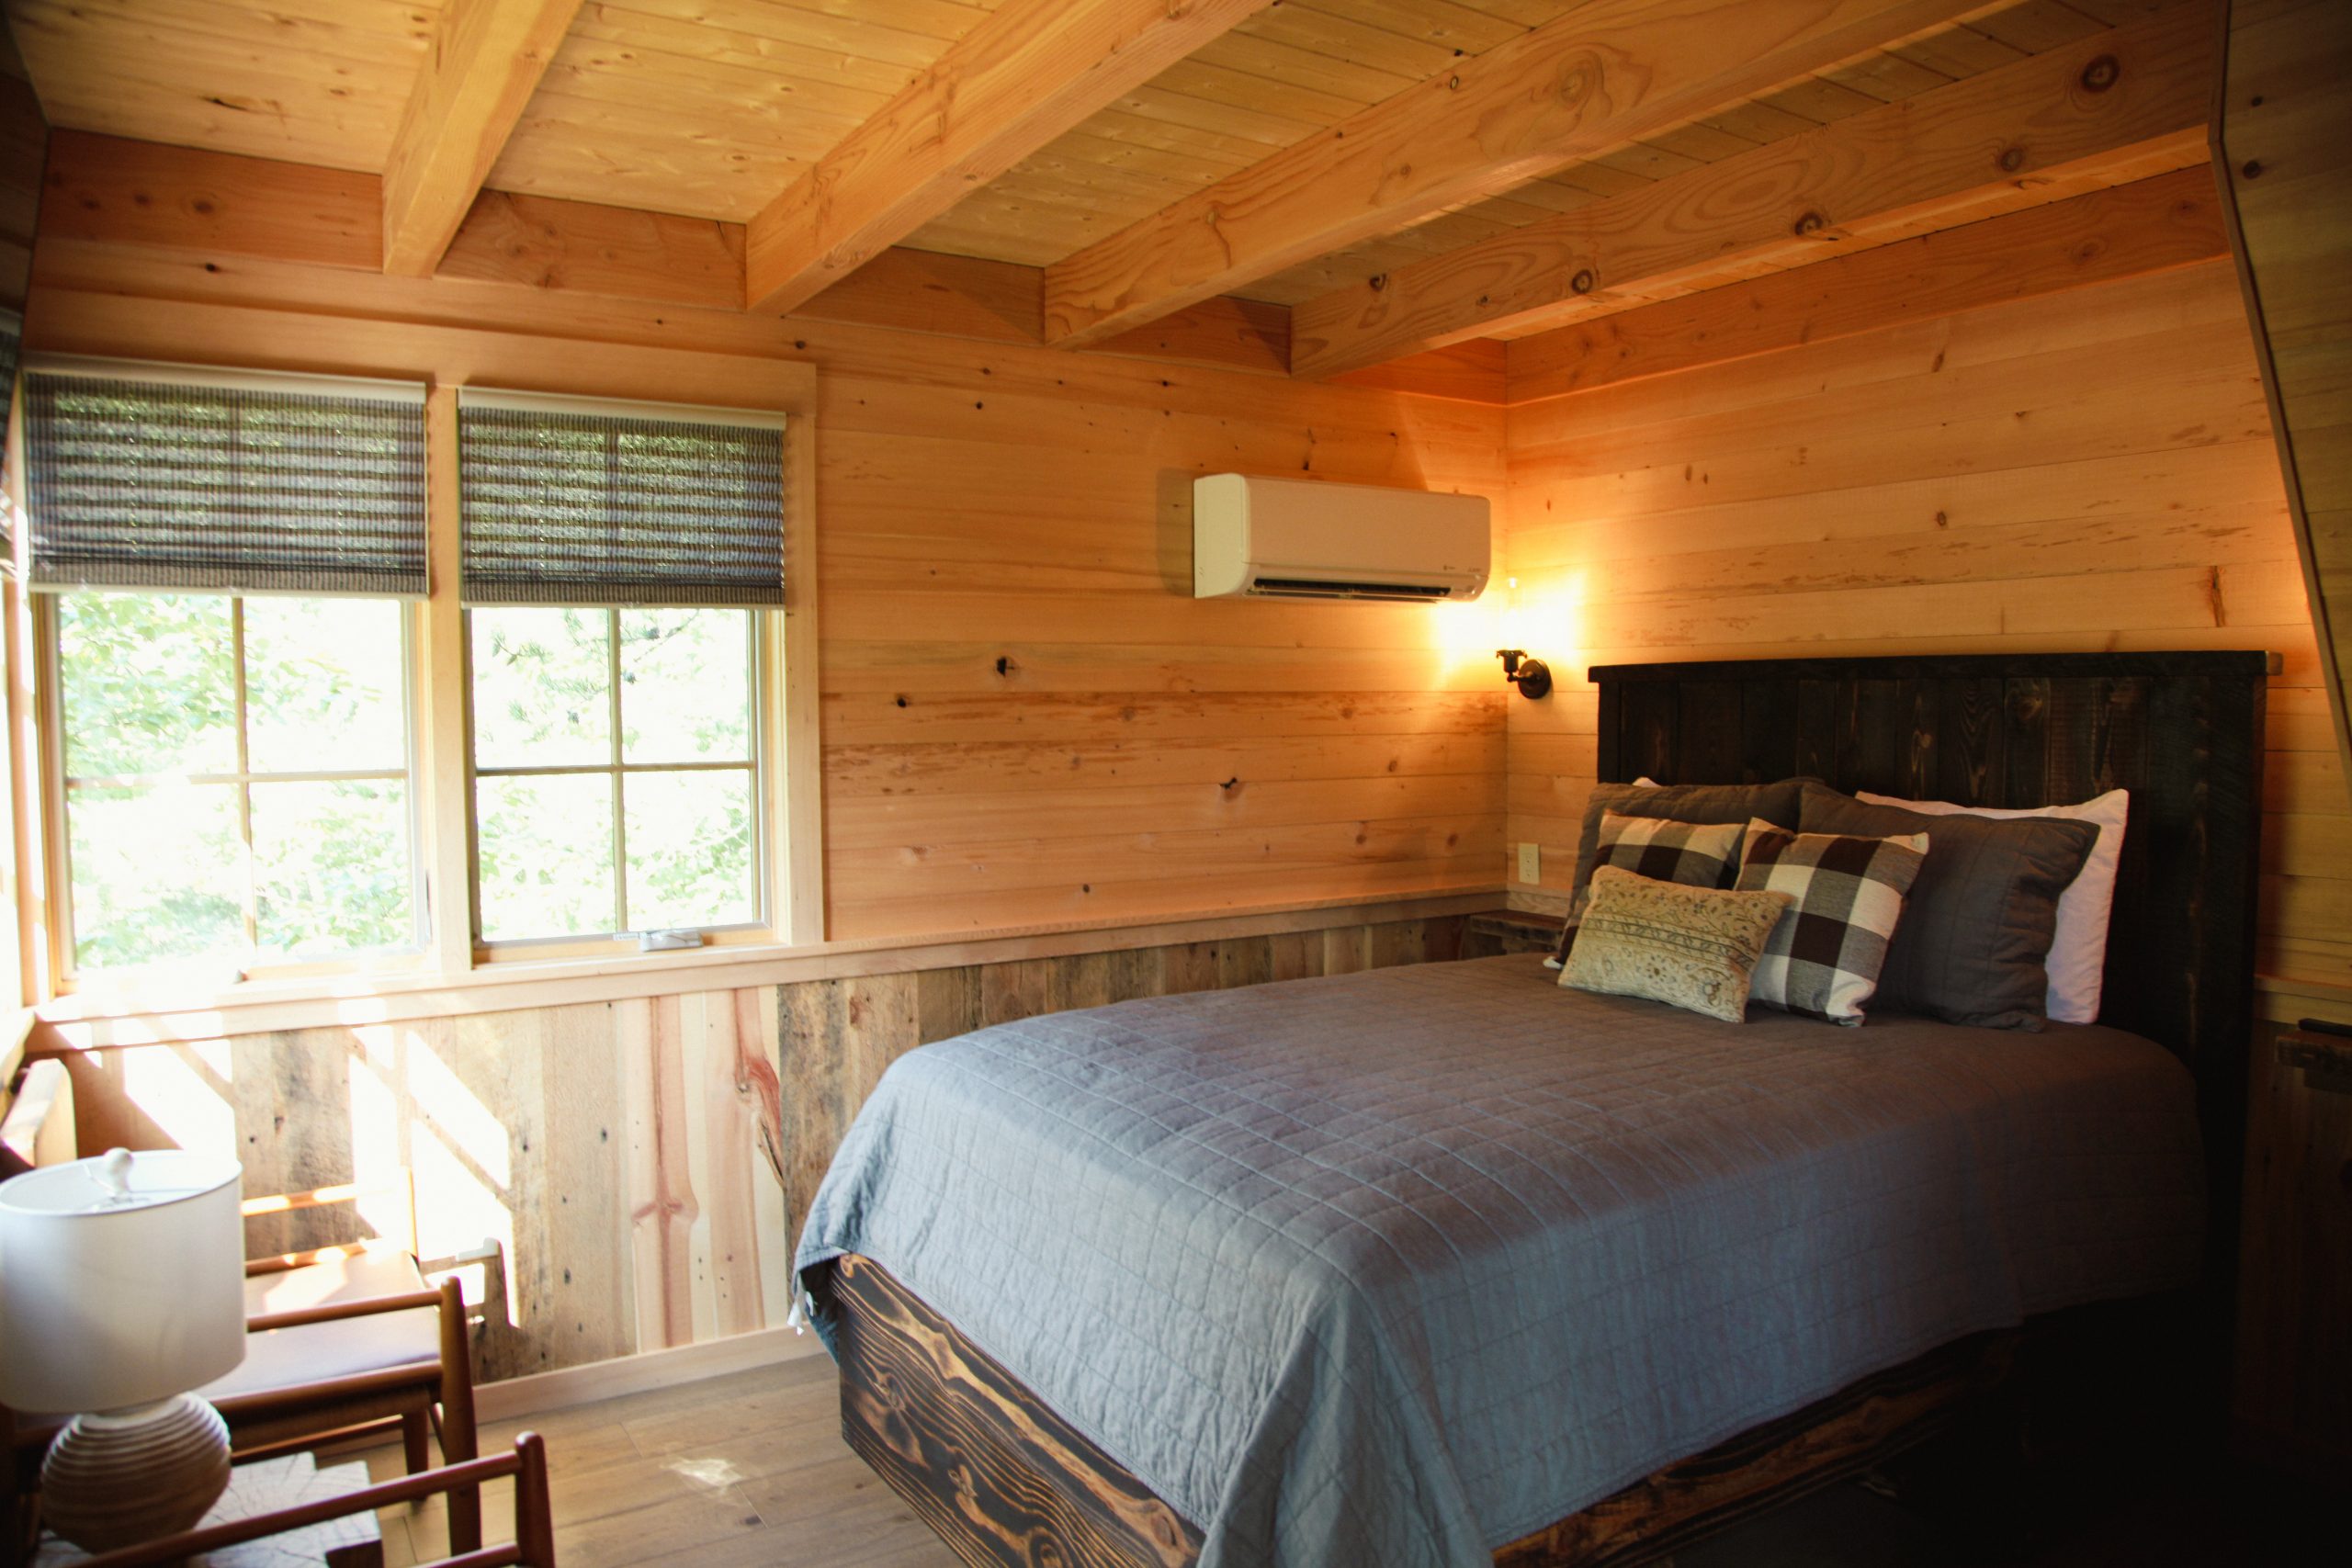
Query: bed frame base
(1001, 1478)
(921, 1403)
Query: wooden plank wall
(2085, 470)
(1027, 722)
(2283, 144)
(643, 1166)
(24, 138)
(2283, 148)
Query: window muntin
(617, 780)
(235, 777)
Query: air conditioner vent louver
(1268, 539)
(1305, 587)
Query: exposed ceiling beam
(1032, 71)
(1609, 72)
(487, 59)
(2147, 226)
(113, 197)
(2117, 106)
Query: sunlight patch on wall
(375, 1132)
(183, 1090)
(457, 1150)
(456, 1113)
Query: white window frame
(57, 788)
(453, 971)
(764, 786)
(778, 770)
(56, 874)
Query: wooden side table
(1499, 931)
(264, 1487)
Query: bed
(1447, 1264)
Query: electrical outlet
(1530, 862)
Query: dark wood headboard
(2181, 731)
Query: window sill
(95, 1020)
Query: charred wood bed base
(1007, 1482)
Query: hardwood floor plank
(769, 1483)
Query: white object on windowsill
(668, 942)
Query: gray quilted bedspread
(1394, 1267)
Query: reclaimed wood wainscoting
(642, 1164)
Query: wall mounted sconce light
(1531, 676)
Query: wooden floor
(737, 1471)
(750, 1470)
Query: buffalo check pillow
(1694, 855)
(1824, 956)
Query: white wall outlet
(1530, 862)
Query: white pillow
(2078, 951)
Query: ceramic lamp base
(121, 1478)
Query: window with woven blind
(570, 501)
(136, 478)
(224, 558)
(615, 559)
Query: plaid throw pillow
(1694, 855)
(1823, 958)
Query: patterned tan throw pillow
(1689, 947)
(1822, 960)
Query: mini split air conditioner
(1305, 539)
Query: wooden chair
(343, 1343)
(533, 1547)
(349, 1342)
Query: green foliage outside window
(198, 824)
(207, 827)
(681, 771)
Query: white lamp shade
(110, 1299)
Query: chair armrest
(484, 1251)
(527, 1464)
(409, 1302)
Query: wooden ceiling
(715, 109)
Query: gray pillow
(1712, 804)
(1977, 925)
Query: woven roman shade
(226, 484)
(577, 503)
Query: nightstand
(1499, 931)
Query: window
(223, 560)
(616, 781)
(273, 744)
(618, 565)
(235, 777)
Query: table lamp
(121, 1288)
